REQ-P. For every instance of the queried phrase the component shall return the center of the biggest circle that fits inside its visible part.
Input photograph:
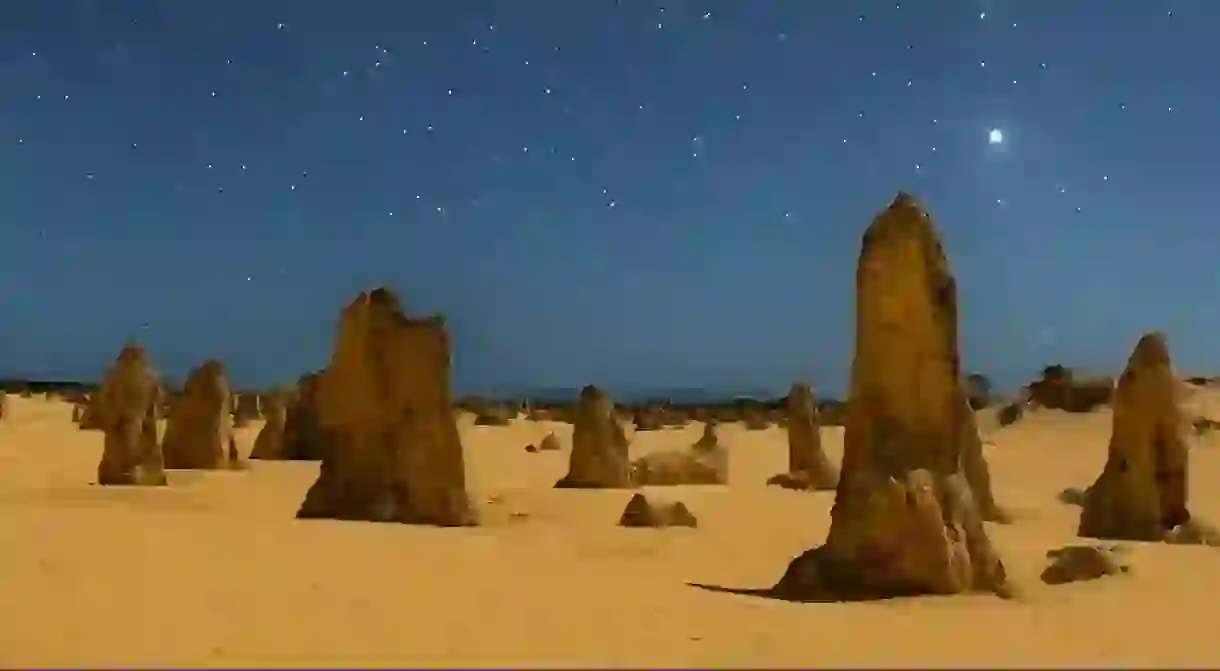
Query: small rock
(1074, 563)
(640, 512)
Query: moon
(995, 136)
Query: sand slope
(215, 571)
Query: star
(995, 136)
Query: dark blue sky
(630, 193)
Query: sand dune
(214, 570)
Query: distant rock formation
(974, 466)
(302, 437)
(494, 415)
(88, 419)
(808, 466)
(705, 463)
(125, 409)
(1059, 389)
(269, 444)
(755, 419)
(599, 448)
(397, 456)
(978, 391)
(247, 407)
(3, 404)
(642, 512)
(1141, 493)
(904, 521)
(649, 419)
(199, 434)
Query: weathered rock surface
(808, 466)
(199, 434)
(125, 409)
(1141, 493)
(599, 447)
(643, 512)
(384, 398)
(904, 521)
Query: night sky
(629, 193)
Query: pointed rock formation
(269, 444)
(709, 439)
(808, 466)
(599, 448)
(641, 512)
(125, 409)
(200, 431)
(904, 521)
(384, 397)
(1142, 490)
(3, 404)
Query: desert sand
(508, 559)
(214, 570)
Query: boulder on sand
(643, 512)
(904, 521)
(384, 400)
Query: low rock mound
(1059, 389)
(1074, 563)
(643, 512)
(699, 465)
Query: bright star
(996, 136)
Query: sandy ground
(215, 571)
